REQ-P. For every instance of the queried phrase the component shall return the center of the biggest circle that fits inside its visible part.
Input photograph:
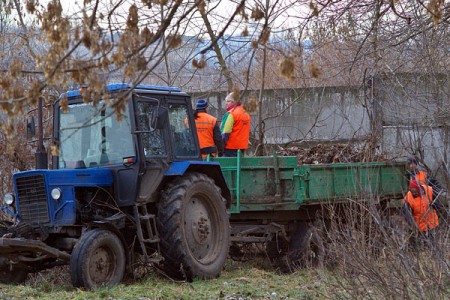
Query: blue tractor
(127, 182)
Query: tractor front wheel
(98, 260)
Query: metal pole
(41, 156)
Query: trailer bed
(278, 183)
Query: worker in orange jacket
(235, 127)
(419, 208)
(422, 177)
(415, 173)
(208, 130)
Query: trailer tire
(306, 248)
(98, 260)
(12, 274)
(194, 228)
(276, 250)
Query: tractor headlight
(56, 193)
(8, 199)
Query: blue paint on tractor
(36, 187)
(124, 86)
(178, 168)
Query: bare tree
(259, 44)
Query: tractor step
(146, 229)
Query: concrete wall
(415, 117)
(327, 113)
(409, 114)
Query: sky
(225, 8)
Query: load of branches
(330, 153)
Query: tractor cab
(151, 129)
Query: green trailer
(278, 183)
(275, 198)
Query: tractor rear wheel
(194, 228)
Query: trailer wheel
(306, 248)
(98, 260)
(276, 250)
(12, 274)
(194, 228)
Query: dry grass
(370, 255)
(378, 256)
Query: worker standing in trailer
(235, 127)
(208, 130)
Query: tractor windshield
(91, 137)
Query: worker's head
(201, 105)
(414, 188)
(230, 100)
(413, 165)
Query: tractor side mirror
(31, 127)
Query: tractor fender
(211, 169)
(108, 226)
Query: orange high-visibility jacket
(420, 177)
(241, 129)
(205, 126)
(424, 215)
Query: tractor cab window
(150, 126)
(183, 139)
(91, 136)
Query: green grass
(238, 281)
(362, 278)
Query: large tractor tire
(12, 274)
(98, 260)
(194, 228)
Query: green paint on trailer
(278, 183)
